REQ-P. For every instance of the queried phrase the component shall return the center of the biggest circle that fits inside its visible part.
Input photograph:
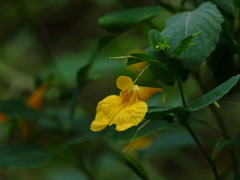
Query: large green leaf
(207, 20)
(18, 108)
(214, 95)
(22, 156)
(123, 20)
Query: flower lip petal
(124, 83)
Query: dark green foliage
(123, 20)
(135, 166)
(23, 156)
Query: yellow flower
(126, 110)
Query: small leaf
(23, 156)
(207, 20)
(235, 141)
(120, 57)
(140, 57)
(157, 41)
(214, 95)
(135, 166)
(186, 42)
(123, 20)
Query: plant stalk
(211, 163)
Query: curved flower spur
(126, 110)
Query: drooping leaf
(214, 94)
(125, 19)
(235, 141)
(18, 108)
(157, 41)
(23, 156)
(207, 20)
(135, 166)
(165, 143)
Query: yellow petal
(124, 83)
(146, 92)
(106, 111)
(130, 116)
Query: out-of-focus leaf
(149, 128)
(123, 20)
(81, 139)
(103, 41)
(23, 156)
(135, 166)
(214, 95)
(235, 141)
(18, 108)
(207, 20)
(157, 41)
(226, 6)
(236, 3)
(165, 143)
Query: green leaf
(181, 113)
(226, 6)
(166, 143)
(235, 141)
(157, 41)
(81, 139)
(151, 127)
(207, 20)
(23, 156)
(140, 57)
(236, 3)
(123, 20)
(214, 95)
(135, 166)
(103, 41)
(18, 108)
(186, 42)
(167, 75)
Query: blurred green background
(54, 39)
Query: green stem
(220, 123)
(211, 163)
(134, 136)
(181, 92)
